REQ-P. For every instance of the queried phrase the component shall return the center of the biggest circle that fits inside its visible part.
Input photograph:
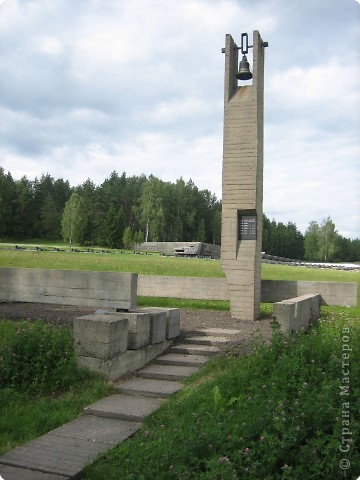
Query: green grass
(114, 262)
(24, 417)
(274, 414)
(40, 386)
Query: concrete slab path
(63, 453)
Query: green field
(160, 265)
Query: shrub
(36, 357)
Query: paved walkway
(63, 453)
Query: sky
(89, 87)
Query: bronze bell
(244, 70)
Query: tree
(321, 241)
(283, 240)
(311, 241)
(89, 194)
(23, 220)
(201, 234)
(73, 219)
(112, 228)
(138, 238)
(7, 196)
(328, 240)
(50, 218)
(127, 238)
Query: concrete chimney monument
(242, 176)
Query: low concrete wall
(297, 313)
(331, 293)
(201, 288)
(119, 290)
(69, 287)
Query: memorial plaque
(247, 227)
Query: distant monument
(242, 176)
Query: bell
(244, 70)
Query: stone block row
(114, 343)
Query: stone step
(124, 407)
(194, 349)
(148, 387)
(222, 332)
(182, 359)
(8, 472)
(55, 455)
(167, 372)
(208, 340)
(65, 451)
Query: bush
(36, 357)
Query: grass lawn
(112, 262)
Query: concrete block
(157, 324)
(100, 336)
(157, 327)
(172, 320)
(297, 313)
(139, 329)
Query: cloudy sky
(92, 86)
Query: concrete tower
(242, 181)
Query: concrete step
(8, 472)
(148, 387)
(216, 332)
(208, 340)
(182, 359)
(194, 349)
(63, 452)
(55, 455)
(167, 372)
(124, 407)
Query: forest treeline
(126, 209)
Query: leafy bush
(36, 357)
